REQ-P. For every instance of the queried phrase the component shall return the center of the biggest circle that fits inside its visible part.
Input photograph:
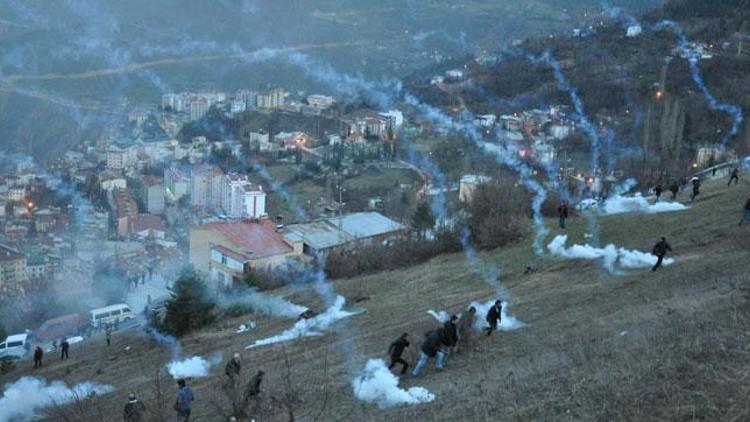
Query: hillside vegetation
(641, 346)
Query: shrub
(191, 307)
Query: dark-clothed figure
(396, 350)
(675, 189)
(233, 367)
(134, 410)
(252, 388)
(494, 316)
(562, 212)
(38, 355)
(465, 328)
(735, 176)
(696, 188)
(108, 335)
(64, 347)
(657, 191)
(745, 212)
(430, 349)
(184, 404)
(660, 250)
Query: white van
(15, 347)
(110, 315)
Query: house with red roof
(228, 250)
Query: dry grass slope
(671, 345)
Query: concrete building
(198, 108)
(237, 106)
(228, 250)
(12, 268)
(469, 184)
(320, 237)
(273, 99)
(320, 101)
(176, 183)
(126, 211)
(120, 158)
(206, 183)
(241, 198)
(153, 195)
(261, 140)
(292, 140)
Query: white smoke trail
(617, 204)
(193, 367)
(263, 303)
(23, 398)
(310, 327)
(379, 386)
(626, 258)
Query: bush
(375, 258)
(497, 215)
(191, 307)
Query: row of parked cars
(18, 346)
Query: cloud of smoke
(693, 58)
(263, 303)
(610, 254)
(311, 327)
(193, 367)
(23, 398)
(378, 385)
(171, 342)
(618, 204)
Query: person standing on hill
(108, 335)
(450, 335)
(134, 410)
(396, 350)
(734, 176)
(494, 317)
(562, 212)
(746, 212)
(465, 327)
(696, 188)
(657, 191)
(64, 347)
(38, 355)
(660, 250)
(675, 189)
(185, 398)
(233, 367)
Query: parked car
(15, 346)
(112, 314)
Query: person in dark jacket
(696, 188)
(657, 191)
(233, 367)
(735, 176)
(134, 410)
(64, 347)
(465, 328)
(675, 189)
(430, 349)
(396, 350)
(660, 250)
(108, 335)
(184, 403)
(38, 355)
(562, 213)
(494, 317)
(745, 212)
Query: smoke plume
(310, 327)
(507, 322)
(23, 398)
(611, 255)
(378, 385)
(263, 303)
(193, 367)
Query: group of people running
(454, 336)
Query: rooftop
(250, 239)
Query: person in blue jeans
(430, 349)
(184, 404)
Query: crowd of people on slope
(455, 336)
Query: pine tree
(422, 220)
(191, 306)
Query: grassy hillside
(670, 345)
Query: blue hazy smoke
(693, 59)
